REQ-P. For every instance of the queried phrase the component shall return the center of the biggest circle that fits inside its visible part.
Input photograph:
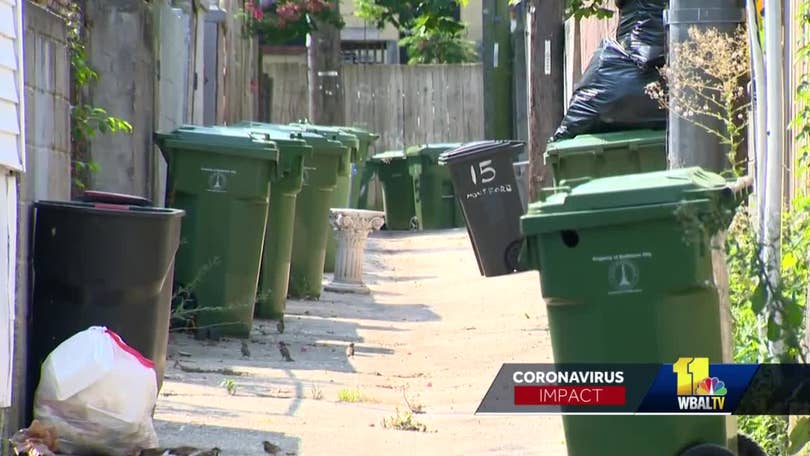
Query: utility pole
(691, 145)
(326, 96)
(546, 75)
(775, 146)
(497, 55)
(519, 76)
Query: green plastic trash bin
(220, 177)
(607, 154)
(392, 169)
(278, 238)
(370, 193)
(627, 278)
(367, 139)
(340, 196)
(434, 199)
(329, 161)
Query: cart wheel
(707, 449)
(747, 447)
(512, 255)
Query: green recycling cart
(434, 199)
(369, 195)
(624, 237)
(607, 154)
(220, 177)
(278, 238)
(367, 139)
(328, 163)
(340, 196)
(392, 169)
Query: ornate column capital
(356, 220)
(352, 228)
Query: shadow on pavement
(232, 441)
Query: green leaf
(759, 298)
(789, 260)
(799, 435)
(794, 315)
(774, 331)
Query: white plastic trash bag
(99, 394)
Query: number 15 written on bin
(485, 171)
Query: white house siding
(12, 143)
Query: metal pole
(497, 66)
(774, 66)
(759, 104)
(689, 144)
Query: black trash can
(107, 260)
(484, 183)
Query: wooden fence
(404, 104)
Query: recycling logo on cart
(218, 179)
(623, 271)
(623, 275)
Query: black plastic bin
(105, 261)
(484, 183)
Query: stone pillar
(352, 227)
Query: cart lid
(480, 149)
(598, 143)
(431, 151)
(387, 156)
(607, 201)
(221, 140)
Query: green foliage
(404, 421)
(432, 34)
(750, 287)
(800, 435)
(230, 386)
(402, 14)
(753, 325)
(427, 45)
(588, 8)
(350, 395)
(769, 431)
(85, 120)
(287, 20)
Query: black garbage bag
(642, 32)
(610, 96)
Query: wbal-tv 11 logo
(689, 386)
(696, 389)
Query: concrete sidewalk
(433, 330)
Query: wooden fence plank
(404, 104)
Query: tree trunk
(546, 74)
(326, 95)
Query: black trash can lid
(471, 149)
(111, 202)
(92, 196)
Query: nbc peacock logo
(711, 386)
(696, 389)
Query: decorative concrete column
(352, 227)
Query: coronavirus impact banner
(687, 386)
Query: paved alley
(431, 336)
